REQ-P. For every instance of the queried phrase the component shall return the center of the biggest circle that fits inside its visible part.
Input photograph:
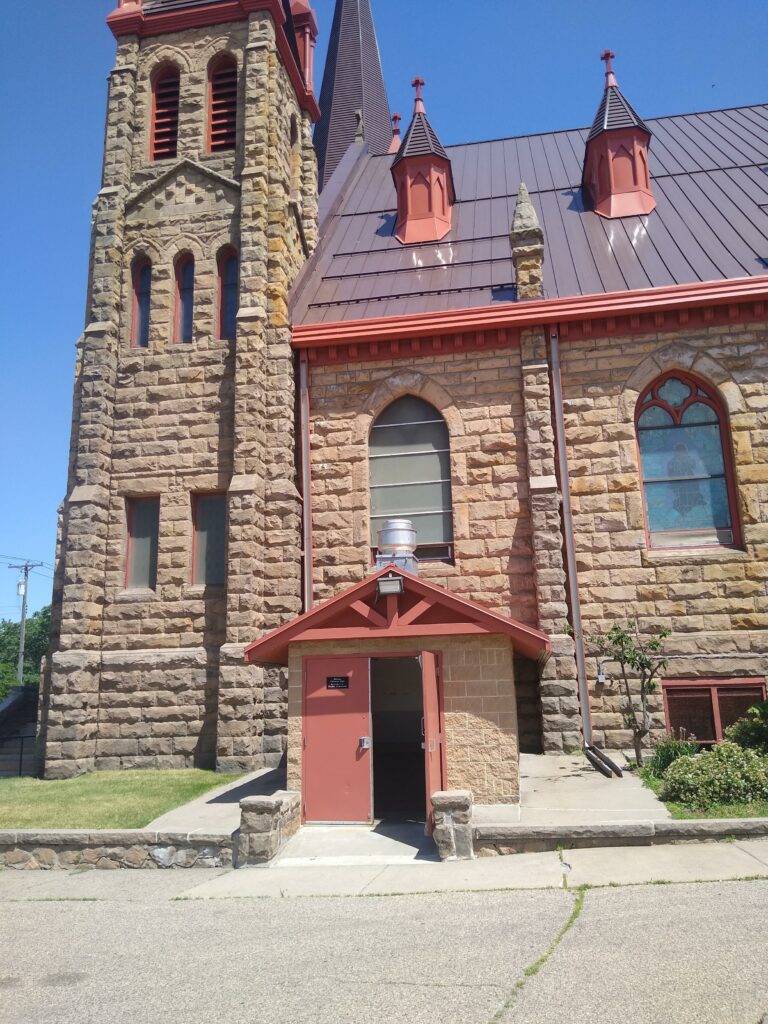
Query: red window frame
(222, 104)
(139, 266)
(225, 255)
(753, 683)
(183, 261)
(712, 399)
(166, 96)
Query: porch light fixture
(390, 584)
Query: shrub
(668, 751)
(752, 730)
(727, 774)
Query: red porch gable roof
(423, 609)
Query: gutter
(306, 486)
(570, 545)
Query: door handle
(365, 742)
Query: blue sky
(492, 69)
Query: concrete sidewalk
(566, 790)
(218, 810)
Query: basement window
(704, 708)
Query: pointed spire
(527, 247)
(394, 145)
(353, 80)
(421, 137)
(615, 111)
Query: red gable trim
(424, 609)
(129, 19)
(705, 303)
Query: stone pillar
(73, 694)
(527, 248)
(453, 824)
(266, 825)
(561, 721)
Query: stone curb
(502, 839)
(64, 849)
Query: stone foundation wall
(481, 737)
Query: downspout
(570, 546)
(306, 484)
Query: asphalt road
(123, 948)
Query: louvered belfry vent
(223, 105)
(165, 122)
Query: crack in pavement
(533, 969)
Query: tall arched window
(410, 474)
(165, 113)
(229, 292)
(688, 481)
(185, 297)
(222, 117)
(142, 301)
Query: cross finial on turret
(418, 106)
(610, 78)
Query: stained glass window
(410, 467)
(687, 481)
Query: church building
(371, 434)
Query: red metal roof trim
(707, 303)
(131, 19)
(424, 609)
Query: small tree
(638, 658)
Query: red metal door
(433, 730)
(337, 737)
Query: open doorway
(397, 710)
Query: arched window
(142, 302)
(185, 297)
(229, 292)
(165, 113)
(410, 474)
(686, 465)
(222, 118)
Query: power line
(23, 558)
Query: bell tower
(179, 536)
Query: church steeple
(353, 81)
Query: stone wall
(715, 600)
(54, 849)
(481, 737)
(508, 526)
(156, 678)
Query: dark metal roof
(420, 140)
(352, 81)
(615, 111)
(710, 180)
(161, 6)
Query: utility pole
(25, 568)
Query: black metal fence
(17, 756)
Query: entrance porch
(398, 692)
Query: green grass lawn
(759, 809)
(129, 799)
